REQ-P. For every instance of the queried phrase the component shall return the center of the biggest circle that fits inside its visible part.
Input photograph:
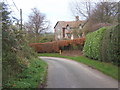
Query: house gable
(64, 28)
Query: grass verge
(106, 68)
(31, 77)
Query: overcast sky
(55, 10)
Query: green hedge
(110, 45)
(92, 44)
(103, 44)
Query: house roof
(72, 24)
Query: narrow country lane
(64, 73)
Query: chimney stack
(77, 18)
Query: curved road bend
(65, 73)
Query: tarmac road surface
(65, 73)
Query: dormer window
(67, 27)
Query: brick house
(64, 29)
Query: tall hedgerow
(110, 45)
(92, 44)
(104, 44)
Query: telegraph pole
(20, 19)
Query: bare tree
(96, 14)
(82, 9)
(37, 22)
(105, 12)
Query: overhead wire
(17, 8)
(10, 7)
(15, 5)
(14, 13)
